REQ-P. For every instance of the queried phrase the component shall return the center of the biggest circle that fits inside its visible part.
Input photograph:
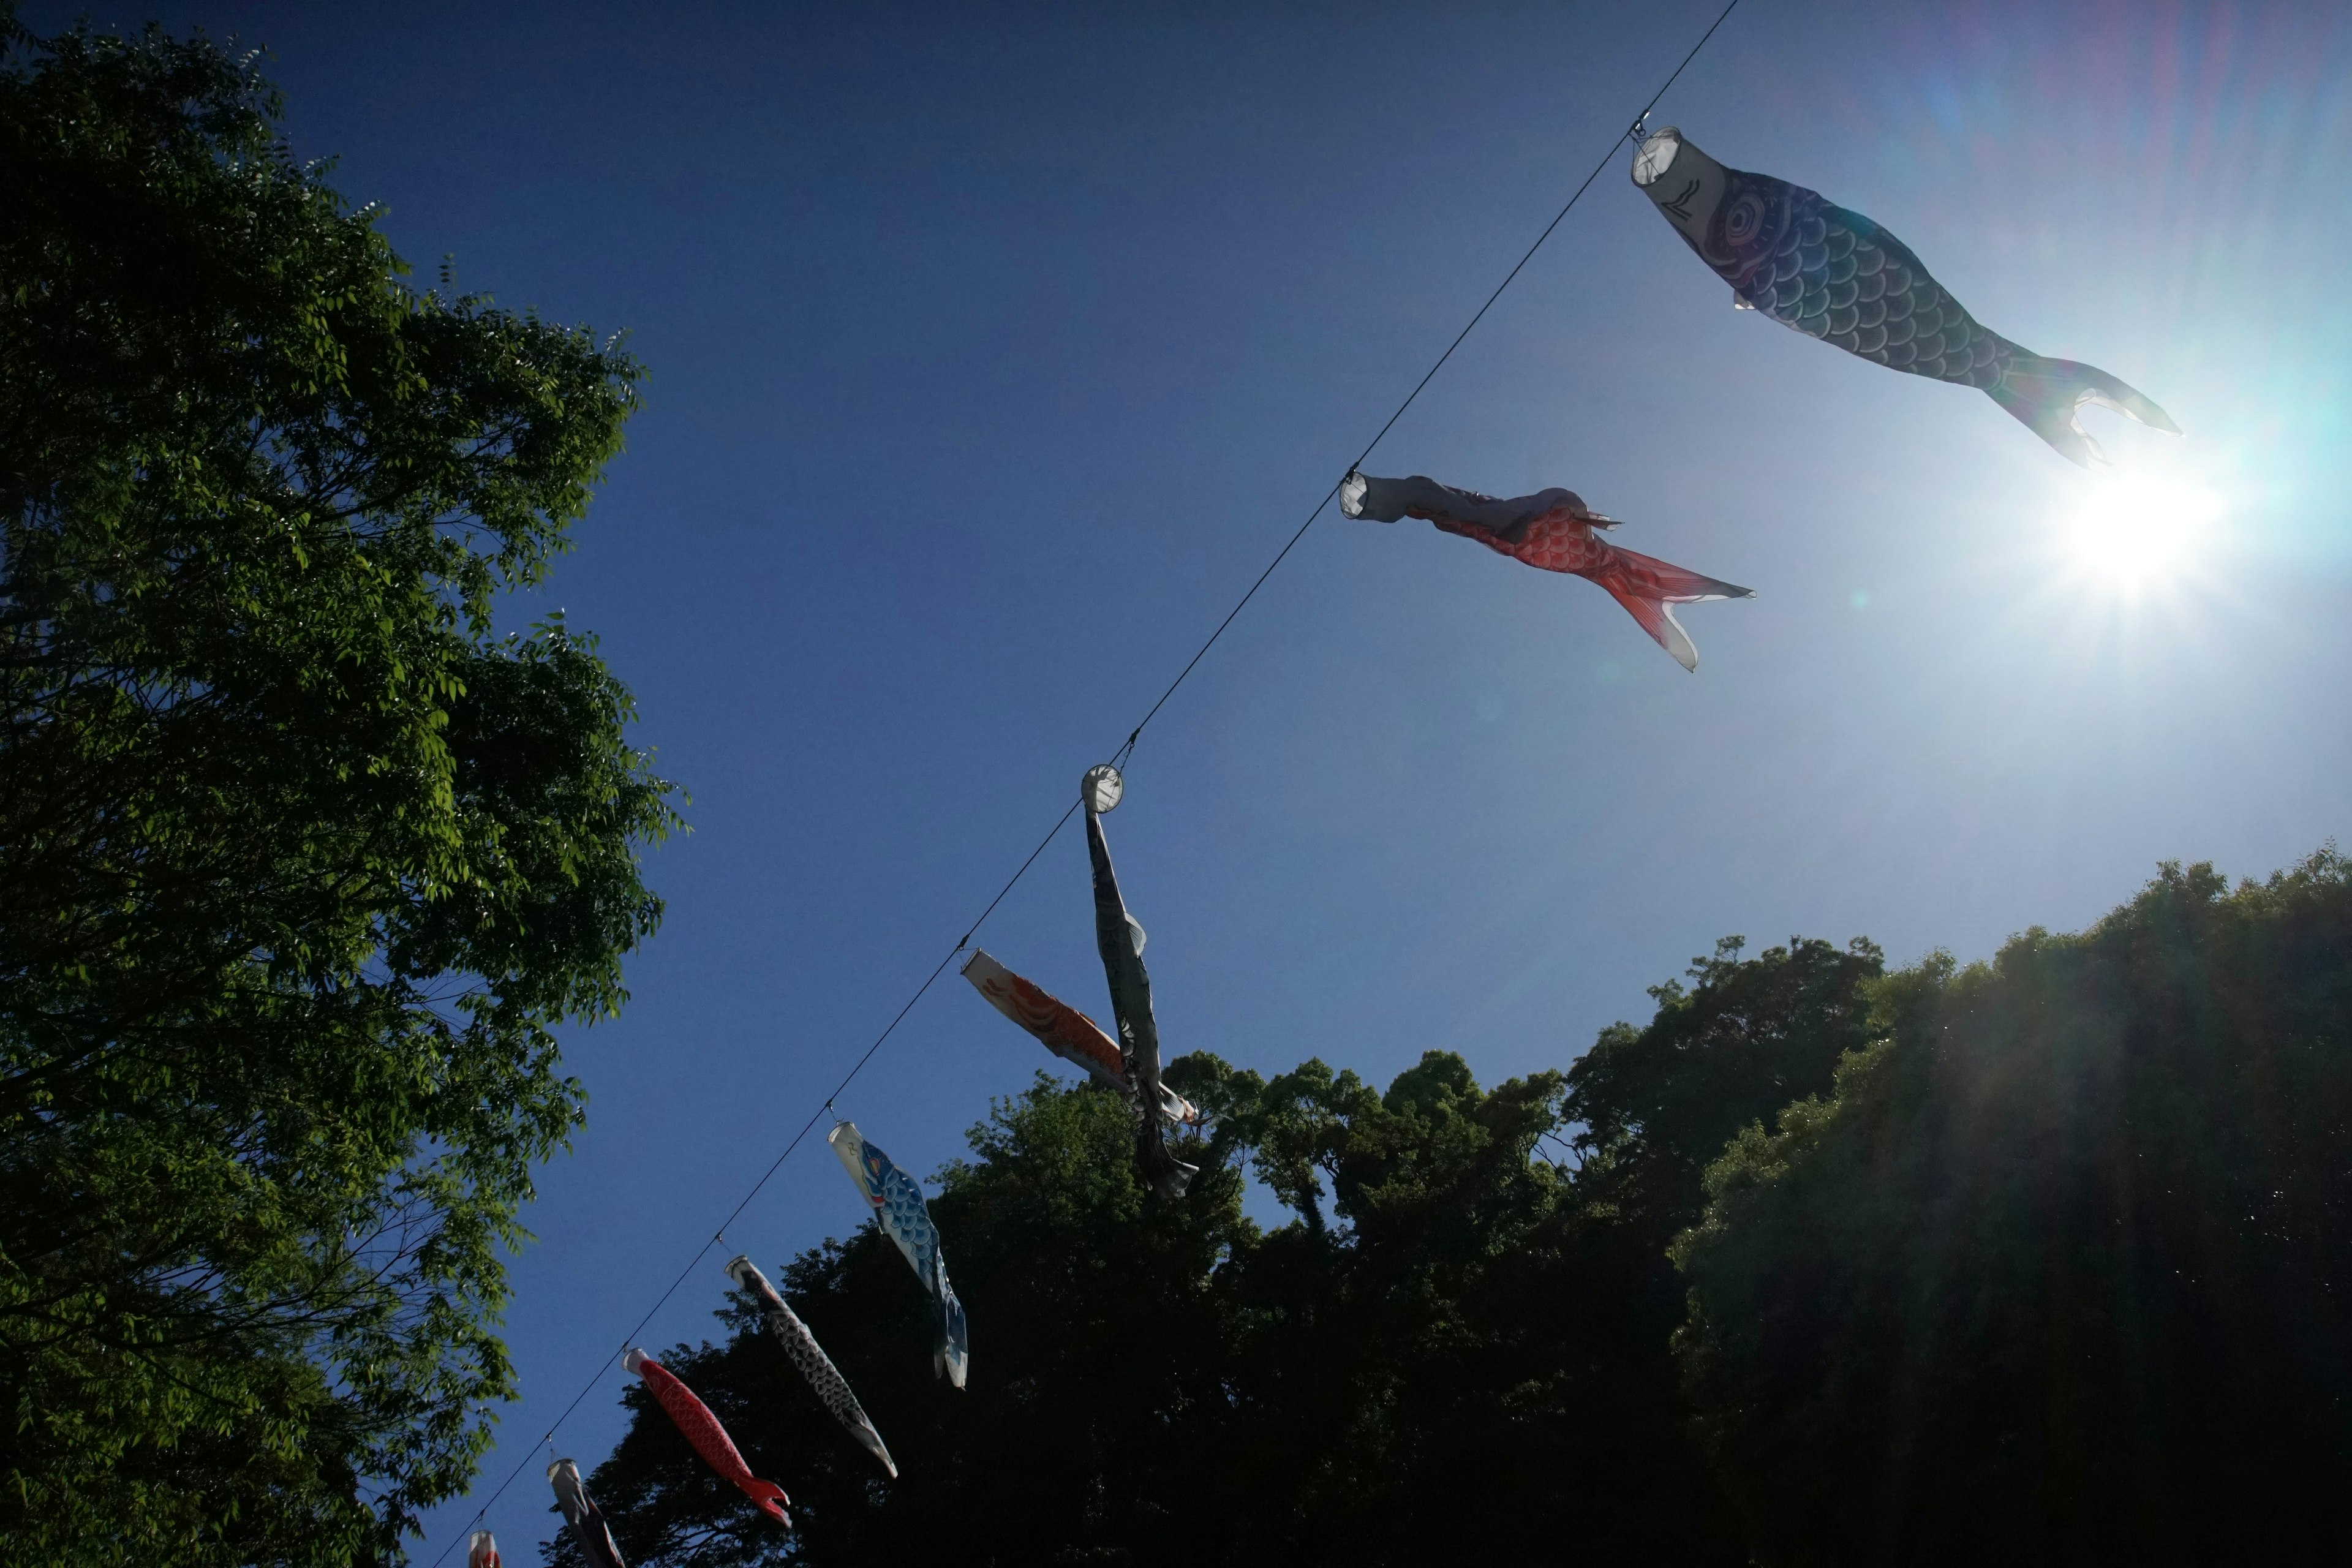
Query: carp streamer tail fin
(1170, 1176)
(1649, 589)
(2047, 396)
(771, 1498)
(950, 1340)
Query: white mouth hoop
(1656, 154)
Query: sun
(2135, 533)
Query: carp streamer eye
(1746, 217)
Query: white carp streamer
(587, 1520)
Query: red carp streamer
(1648, 588)
(1553, 531)
(710, 1440)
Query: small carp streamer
(1835, 275)
(897, 1201)
(1119, 938)
(1066, 1032)
(701, 1428)
(801, 1345)
(482, 1550)
(587, 1522)
(1550, 530)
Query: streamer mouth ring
(1656, 156)
(1102, 789)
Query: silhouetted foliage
(2060, 1269)
(2036, 1259)
(1454, 1350)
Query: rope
(1118, 759)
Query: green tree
(300, 861)
(2058, 1270)
(1651, 1108)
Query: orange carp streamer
(1065, 1031)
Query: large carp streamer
(1835, 275)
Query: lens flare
(2137, 532)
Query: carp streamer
(801, 1345)
(1835, 275)
(1553, 530)
(898, 1207)
(703, 1430)
(587, 1522)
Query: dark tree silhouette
(1457, 1348)
(2059, 1271)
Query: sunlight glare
(2134, 532)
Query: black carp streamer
(809, 1356)
(1835, 275)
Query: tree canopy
(1821, 1264)
(301, 860)
(2058, 1268)
(1458, 1345)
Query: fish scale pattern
(833, 1390)
(1837, 275)
(898, 1205)
(1559, 540)
(1071, 1034)
(908, 1220)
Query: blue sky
(994, 351)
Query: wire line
(1124, 753)
(1424, 381)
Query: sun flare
(2135, 533)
